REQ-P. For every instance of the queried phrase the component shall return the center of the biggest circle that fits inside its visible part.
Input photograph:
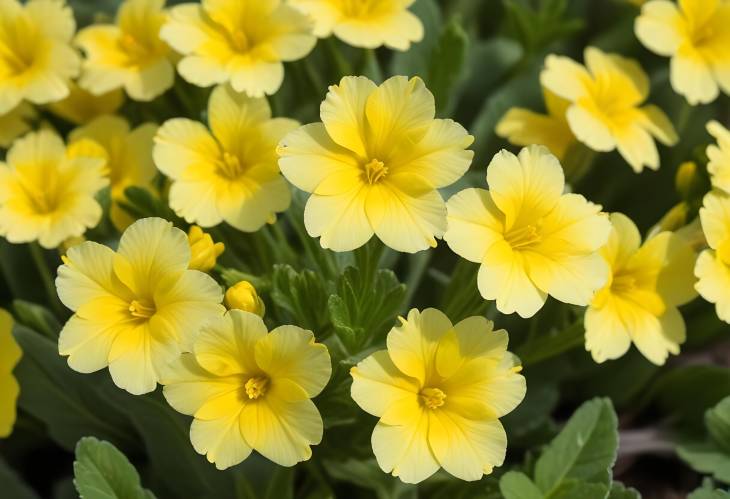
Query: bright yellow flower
(713, 264)
(639, 302)
(604, 112)
(15, 123)
(128, 157)
(81, 106)
(10, 354)
(136, 309)
(375, 163)
(439, 391)
(204, 251)
(230, 175)
(47, 194)
(365, 23)
(695, 35)
(250, 390)
(719, 156)
(523, 127)
(243, 296)
(530, 239)
(128, 54)
(243, 42)
(36, 58)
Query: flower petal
(377, 384)
(474, 224)
(220, 440)
(339, 219)
(343, 113)
(606, 335)
(225, 345)
(403, 451)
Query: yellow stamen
(522, 237)
(256, 387)
(230, 166)
(432, 398)
(141, 310)
(375, 170)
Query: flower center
(375, 170)
(132, 47)
(622, 283)
(142, 309)
(229, 166)
(256, 387)
(356, 8)
(432, 398)
(523, 237)
(240, 41)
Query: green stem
(549, 346)
(370, 66)
(577, 163)
(341, 64)
(685, 113)
(418, 264)
(367, 258)
(39, 259)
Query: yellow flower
(243, 42)
(47, 194)
(523, 127)
(128, 157)
(530, 239)
(15, 123)
(36, 58)
(81, 106)
(439, 391)
(713, 265)
(604, 112)
(639, 302)
(128, 54)
(10, 354)
(204, 250)
(719, 156)
(695, 35)
(232, 174)
(250, 390)
(365, 23)
(375, 163)
(243, 296)
(136, 309)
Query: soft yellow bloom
(250, 390)
(530, 239)
(375, 163)
(243, 296)
(365, 23)
(10, 354)
(15, 123)
(604, 112)
(46, 193)
(128, 157)
(230, 174)
(523, 127)
(695, 35)
(136, 309)
(439, 391)
(244, 42)
(713, 264)
(204, 251)
(639, 302)
(81, 106)
(36, 58)
(719, 156)
(128, 54)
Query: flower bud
(204, 251)
(243, 296)
(689, 181)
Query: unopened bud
(243, 296)
(204, 251)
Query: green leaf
(301, 295)
(36, 317)
(12, 485)
(141, 203)
(717, 420)
(584, 450)
(516, 485)
(706, 457)
(71, 405)
(552, 344)
(579, 489)
(620, 491)
(365, 309)
(417, 59)
(102, 472)
(704, 493)
(447, 64)
(368, 475)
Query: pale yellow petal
(403, 451)
(590, 129)
(343, 112)
(377, 384)
(340, 220)
(225, 345)
(474, 224)
(606, 335)
(714, 282)
(565, 77)
(256, 78)
(692, 77)
(132, 362)
(523, 127)
(637, 147)
(220, 441)
(656, 122)
(232, 114)
(181, 144)
(660, 27)
(88, 273)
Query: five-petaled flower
(250, 390)
(713, 265)
(605, 112)
(375, 163)
(136, 309)
(639, 302)
(244, 42)
(439, 391)
(530, 239)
